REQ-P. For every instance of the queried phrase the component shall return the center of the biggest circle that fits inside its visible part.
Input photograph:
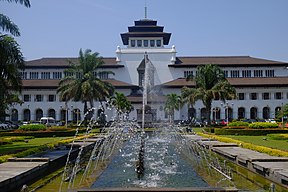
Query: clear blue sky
(59, 28)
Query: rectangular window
(139, 43)
(45, 75)
(253, 96)
(145, 43)
(57, 75)
(188, 74)
(38, 98)
(67, 74)
(266, 96)
(152, 43)
(79, 75)
(23, 75)
(133, 43)
(158, 43)
(141, 78)
(33, 75)
(26, 98)
(103, 75)
(225, 73)
(278, 95)
(269, 73)
(51, 98)
(258, 73)
(241, 96)
(234, 73)
(246, 73)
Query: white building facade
(261, 85)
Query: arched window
(266, 113)
(14, 115)
(241, 113)
(203, 114)
(191, 113)
(27, 115)
(253, 113)
(39, 114)
(52, 113)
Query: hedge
(263, 125)
(238, 124)
(32, 127)
(252, 132)
(47, 133)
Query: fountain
(128, 158)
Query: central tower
(145, 34)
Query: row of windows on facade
(240, 96)
(145, 43)
(244, 73)
(59, 75)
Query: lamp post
(66, 113)
(282, 115)
(226, 107)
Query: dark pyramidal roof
(145, 28)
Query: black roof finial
(145, 9)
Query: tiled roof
(225, 61)
(53, 83)
(64, 62)
(237, 82)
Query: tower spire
(145, 10)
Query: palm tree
(6, 24)
(210, 84)
(173, 102)
(121, 104)
(82, 82)
(11, 62)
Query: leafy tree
(11, 62)
(283, 112)
(210, 84)
(173, 102)
(82, 82)
(121, 104)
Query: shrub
(238, 124)
(263, 125)
(32, 127)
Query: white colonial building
(261, 85)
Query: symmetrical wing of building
(261, 85)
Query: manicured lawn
(262, 141)
(20, 146)
(257, 140)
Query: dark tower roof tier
(145, 28)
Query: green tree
(210, 84)
(173, 102)
(283, 112)
(121, 104)
(11, 62)
(82, 82)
